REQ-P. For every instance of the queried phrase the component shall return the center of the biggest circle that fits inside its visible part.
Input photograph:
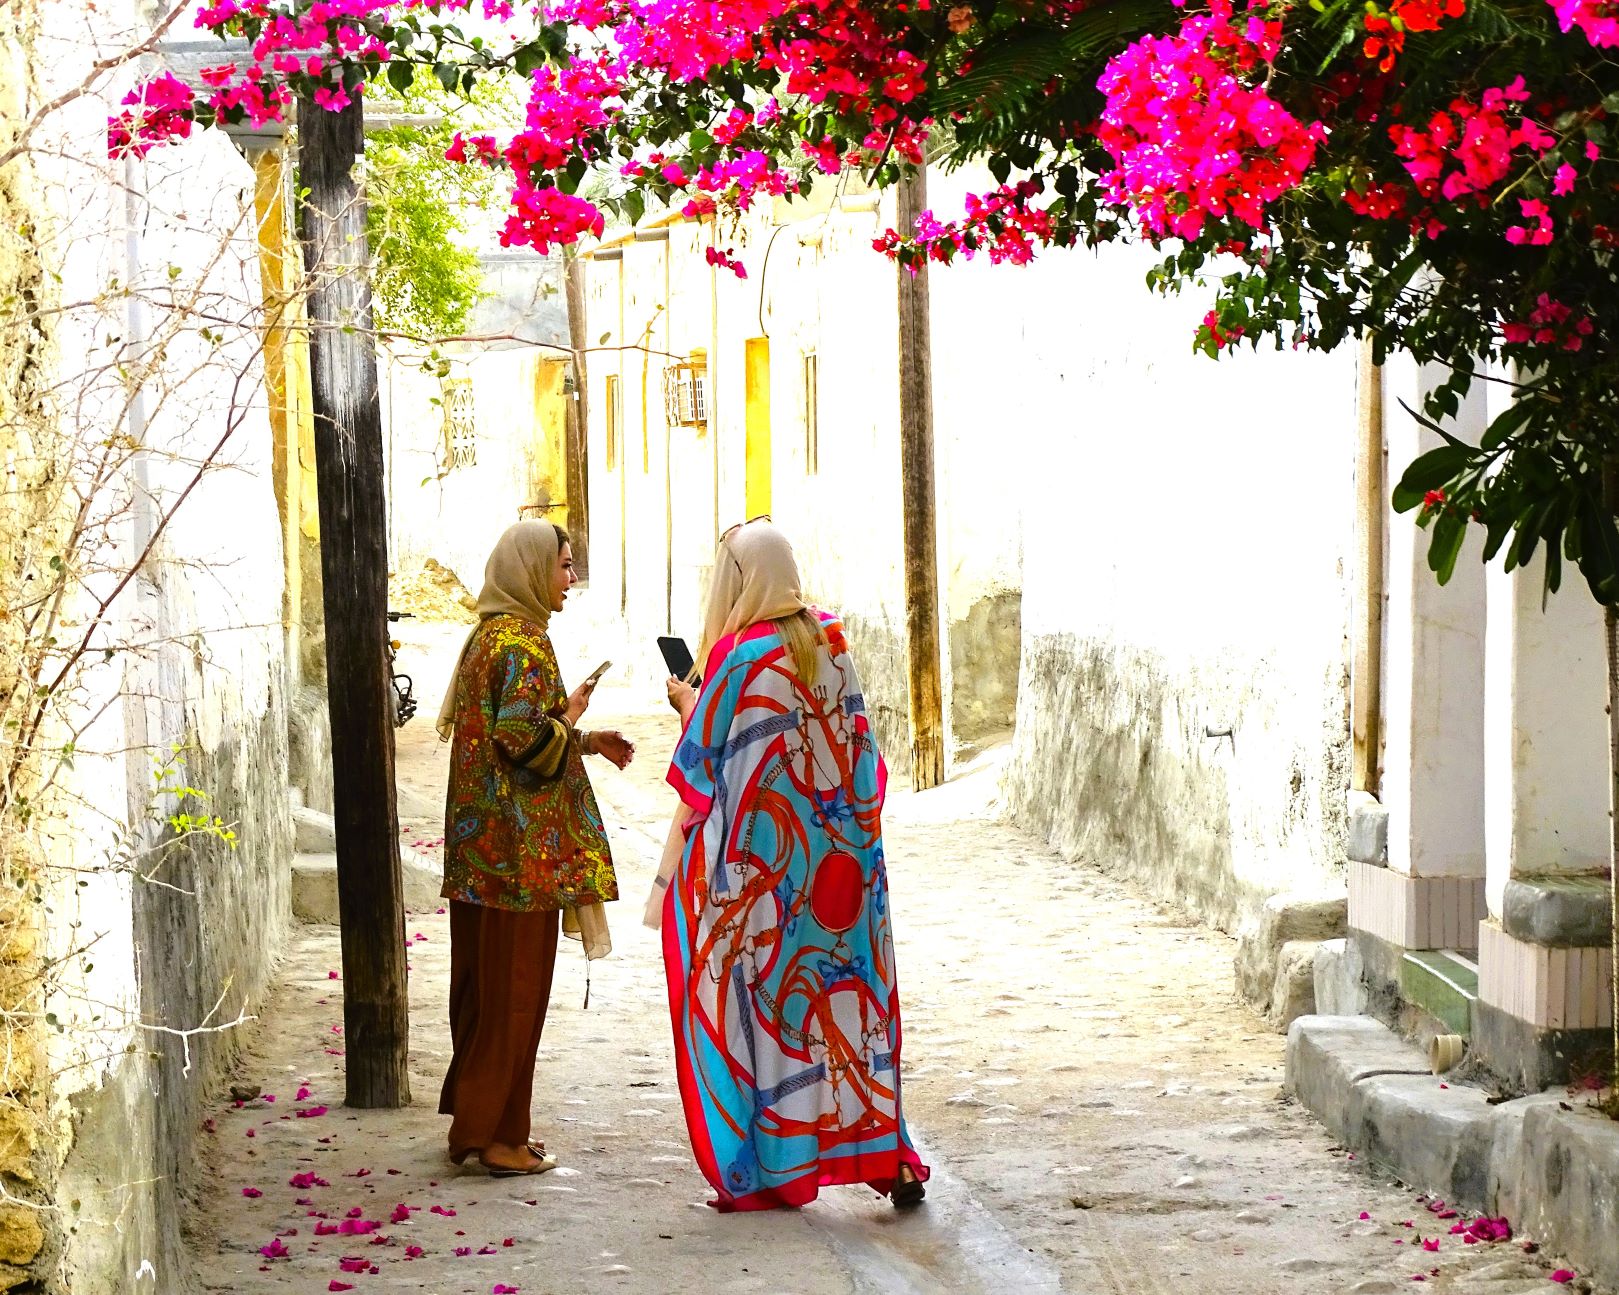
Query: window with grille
(460, 423)
(685, 394)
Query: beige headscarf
(516, 582)
(755, 579)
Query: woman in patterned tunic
(524, 844)
(775, 923)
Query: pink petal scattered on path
(414, 1252)
(335, 1285)
(331, 975)
(443, 1210)
(252, 1193)
(500, 1288)
(401, 1214)
(1562, 1276)
(1364, 1215)
(353, 1264)
(303, 1093)
(275, 1250)
(461, 1252)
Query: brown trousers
(500, 985)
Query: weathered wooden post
(354, 570)
(916, 471)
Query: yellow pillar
(292, 422)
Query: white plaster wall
(189, 654)
(1186, 528)
(454, 515)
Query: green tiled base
(1443, 985)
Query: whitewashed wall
(1186, 526)
(189, 664)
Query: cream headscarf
(516, 582)
(755, 579)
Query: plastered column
(1545, 731)
(1433, 695)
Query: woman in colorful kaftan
(775, 921)
(523, 845)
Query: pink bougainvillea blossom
(542, 218)
(725, 260)
(1191, 139)
(1597, 19)
(157, 112)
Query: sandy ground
(1101, 1114)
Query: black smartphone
(676, 655)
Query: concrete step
(1546, 1162)
(312, 831)
(1442, 983)
(314, 885)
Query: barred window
(460, 423)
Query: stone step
(314, 885)
(1546, 1162)
(1442, 983)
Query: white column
(1433, 702)
(1545, 738)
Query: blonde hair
(803, 635)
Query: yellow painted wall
(547, 450)
(292, 419)
(756, 379)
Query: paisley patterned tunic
(521, 827)
(777, 942)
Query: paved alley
(1101, 1114)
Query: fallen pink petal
(1562, 1276)
(252, 1193)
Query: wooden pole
(578, 465)
(916, 471)
(354, 570)
(1371, 507)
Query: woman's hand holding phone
(578, 702)
(682, 696)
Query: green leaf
(634, 206)
(1438, 467)
(448, 74)
(528, 58)
(401, 76)
(1448, 533)
(1506, 423)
